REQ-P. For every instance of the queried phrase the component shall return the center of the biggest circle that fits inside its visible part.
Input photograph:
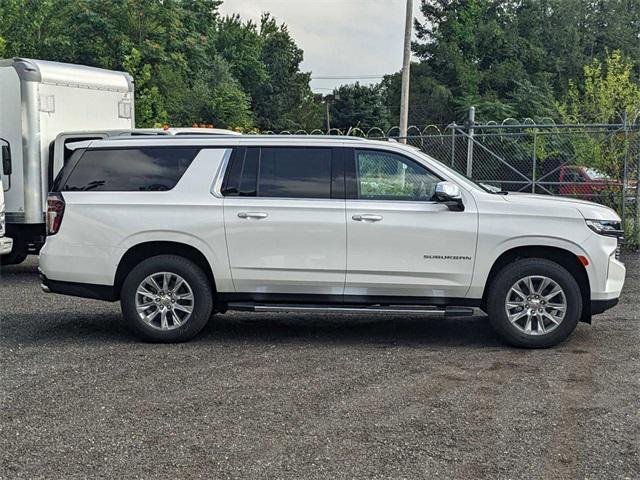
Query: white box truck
(38, 101)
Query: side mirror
(6, 160)
(449, 194)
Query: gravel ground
(311, 396)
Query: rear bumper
(84, 290)
(6, 244)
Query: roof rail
(159, 136)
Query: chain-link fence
(595, 162)
(599, 163)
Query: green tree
(606, 94)
(516, 58)
(276, 101)
(608, 91)
(360, 106)
(431, 102)
(149, 103)
(190, 65)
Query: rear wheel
(166, 298)
(15, 257)
(534, 303)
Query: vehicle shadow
(375, 329)
(378, 330)
(71, 320)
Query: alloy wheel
(536, 305)
(164, 301)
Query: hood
(587, 209)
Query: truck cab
(6, 243)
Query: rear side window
(295, 173)
(151, 169)
(284, 172)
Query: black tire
(515, 271)
(192, 274)
(15, 257)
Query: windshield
(485, 187)
(597, 174)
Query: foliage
(508, 58)
(430, 100)
(359, 106)
(607, 94)
(189, 64)
(149, 103)
(518, 58)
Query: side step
(421, 309)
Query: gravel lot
(311, 396)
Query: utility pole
(326, 102)
(406, 65)
(471, 121)
(328, 99)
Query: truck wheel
(15, 257)
(166, 298)
(534, 303)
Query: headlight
(610, 228)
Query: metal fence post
(637, 202)
(453, 146)
(472, 121)
(625, 171)
(535, 160)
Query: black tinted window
(280, 172)
(132, 170)
(295, 173)
(242, 174)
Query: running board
(448, 311)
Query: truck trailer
(38, 101)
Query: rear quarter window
(152, 169)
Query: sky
(344, 38)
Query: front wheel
(166, 298)
(534, 303)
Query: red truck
(589, 184)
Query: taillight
(55, 211)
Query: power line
(346, 77)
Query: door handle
(367, 218)
(257, 215)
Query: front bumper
(614, 281)
(599, 306)
(6, 244)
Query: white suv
(180, 228)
